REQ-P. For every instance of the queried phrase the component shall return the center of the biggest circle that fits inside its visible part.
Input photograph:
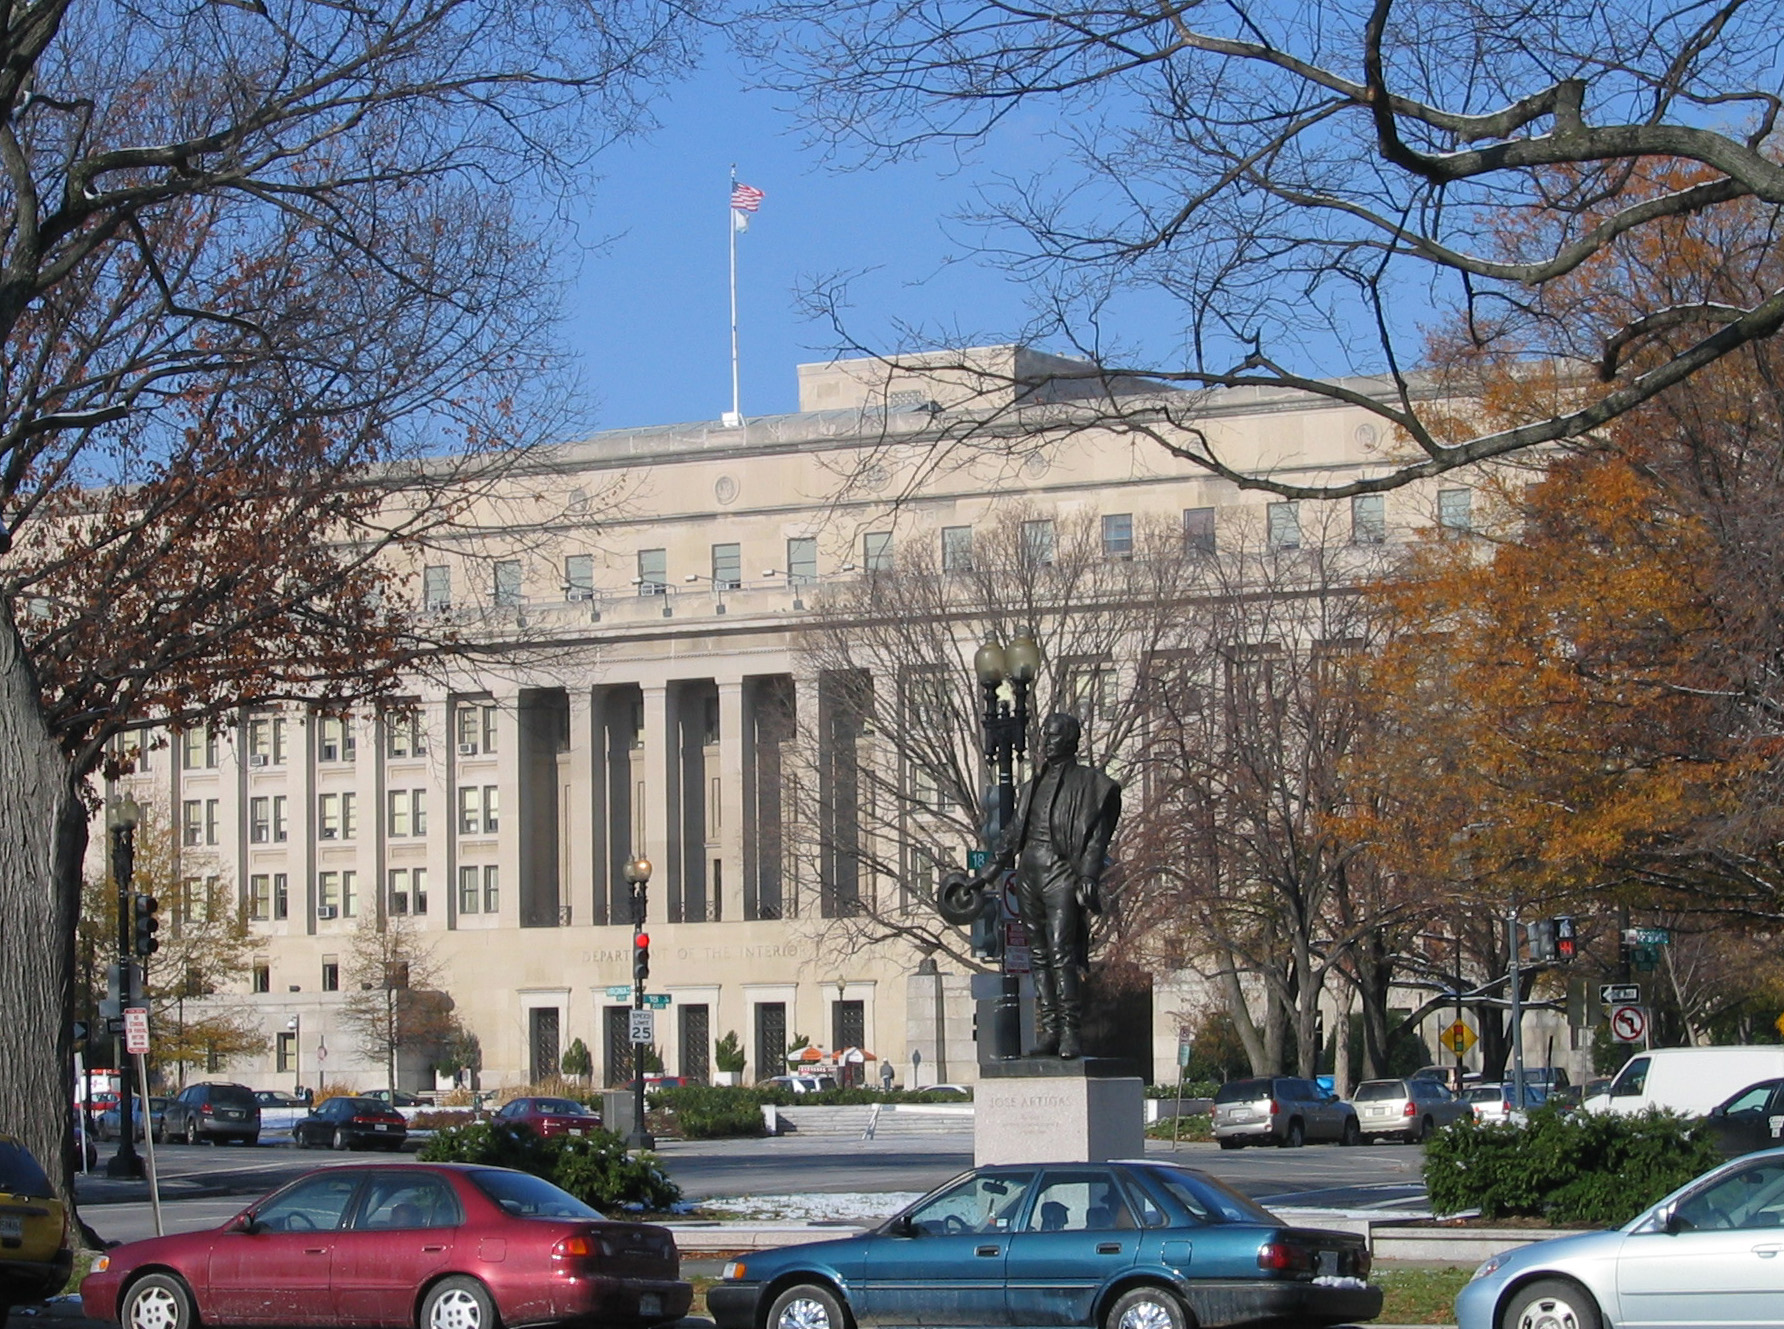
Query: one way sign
(1619, 994)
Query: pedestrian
(886, 1076)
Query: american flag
(746, 198)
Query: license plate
(12, 1225)
(1328, 1262)
(576, 1130)
(382, 1126)
(1377, 1112)
(650, 1303)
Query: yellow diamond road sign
(1458, 1038)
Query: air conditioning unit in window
(326, 911)
(327, 833)
(467, 749)
(257, 759)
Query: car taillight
(1282, 1257)
(1272, 1108)
(206, 1110)
(577, 1246)
(1411, 1110)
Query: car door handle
(1767, 1251)
(1108, 1248)
(989, 1250)
(432, 1250)
(315, 1250)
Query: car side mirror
(246, 1224)
(1672, 1222)
(902, 1226)
(1720, 1110)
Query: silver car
(1280, 1109)
(1410, 1109)
(1710, 1254)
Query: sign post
(136, 1043)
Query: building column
(803, 853)
(736, 768)
(579, 838)
(662, 795)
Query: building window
(1455, 509)
(281, 831)
(263, 977)
(198, 749)
(328, 820)
(328, 894)
(399, 891)
(1198, 530)
(260, 742)
(468, 883)
(492, 895)
(1038, 543)
(349, 816)
(1283, 525)
(335, 740)
(1368, 519)
(418, 879)
(653, 572)
(331, 974)
(403, 734)
(287, 1053)
(349, 894)
(507, 583)
(436, 588)
(281, 896)
(1118, 535)
(260, 900)
(470, 810)
(192, 822)
(476, 728)
(579, 577)
(957, 549)
(260, 820)
(802, 561)
(876, 551)
(727, 566)
(213, 816)
(398, 819)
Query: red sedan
(549, 1116)
(402, 1245)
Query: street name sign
(1648, 937)
(1620, 994)
(619, 991)
(658, 1001)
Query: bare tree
(394, 1004)
(260, 266)
(1312, 183)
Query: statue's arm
(1096, 847)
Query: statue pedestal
(1044, 1110)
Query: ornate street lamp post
(121, 820)
(1005, 734)
(638, 877)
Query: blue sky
(646, 316)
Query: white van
(1689, 1081)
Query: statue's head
(1059, 737)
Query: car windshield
(1375, 1091)
(1208, 1200)
(19, 1173)
(367, 1105)
(563, 1107)
(527, 1196)
(1485, 1093)
(1242, 1091)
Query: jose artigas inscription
(1058, 841)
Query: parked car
(550, 1116)
(351, 1123)
(107, 1125)
(1410, 1109)
(214, 1112)
(1102, 1244)
(1281, 1110)
(402, 1098)
(1493, 1102)
(799, 1084)
(398, 1246)
(1690, 1081)
(280, 1098)
(1750, 1118)
(35, 1256)
(1705, 1256)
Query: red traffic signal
(640, 956)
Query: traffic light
(145, 925)
(987, 930)
(640, 956)
(1541, 933)
(1566, 940)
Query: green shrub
(1191, 1089)
(706, 1112)
(727, 1054)
(595, 1168)
(1573, 1169)
(1190, 1126)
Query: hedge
(1574, 1169)
(595, 1168)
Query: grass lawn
(1419, 1296)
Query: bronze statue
(1057, 840)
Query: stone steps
(872, 1120)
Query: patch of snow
(868, 1207)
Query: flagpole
(735, 420)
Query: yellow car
(35, 1256)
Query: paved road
(203, 1185)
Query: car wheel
(1229, 1143)
(158, 1301)
(1146, 1308)
(1353, 1134)
(1551, 1303)
(191, 1131)
(340, 1137)
(1426, 1127)
(807, 1306)
(458, 1303)
(1296, 1137)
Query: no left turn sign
(1629, 1024)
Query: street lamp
(296, 1025)
(1005, 731)
(122, 818)
(638, 877)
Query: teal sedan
(1133, 1245)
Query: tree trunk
(1341, 1081)
(1243, 1024)
(43, 831)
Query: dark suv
(213, 1112)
